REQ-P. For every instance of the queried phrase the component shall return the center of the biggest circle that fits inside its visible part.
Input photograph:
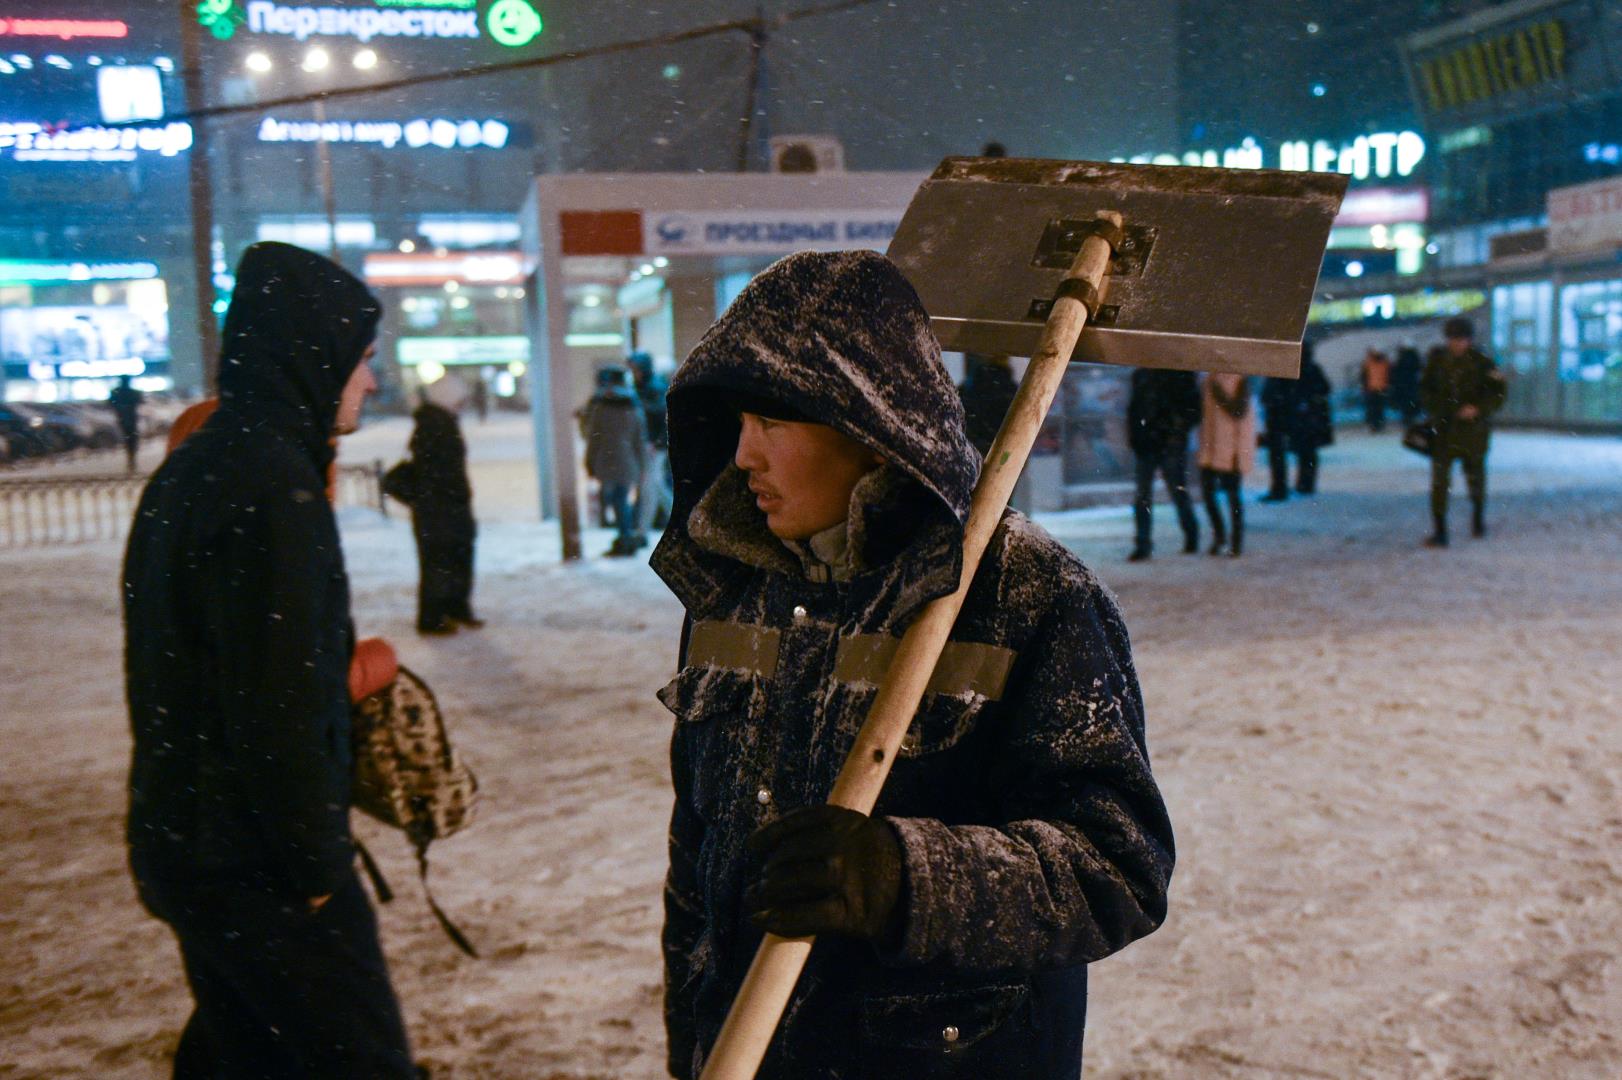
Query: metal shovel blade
(1215, 271)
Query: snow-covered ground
(1395, 773)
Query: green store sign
(509, 23)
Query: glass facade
(1591, 350)
(1560, 344)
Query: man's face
(801, 474)
(361, 383)
(1458, 346)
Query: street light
(259, 62)
(366, 59)
(316, 60)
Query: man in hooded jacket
(1021, 835)
(237, 653)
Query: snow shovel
(1175, 267)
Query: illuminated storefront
(94, 236)
(457, 315)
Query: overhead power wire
(752, 25)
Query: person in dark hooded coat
(1021, 835)
(434, 484)
(237, 655)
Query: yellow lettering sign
(1520, 59)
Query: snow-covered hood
(842, 339)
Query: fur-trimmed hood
(842, 339)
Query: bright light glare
(366, 59)
(1354, 269)
(661, 262)
(258, 61)
(408, 246)
(316, 60)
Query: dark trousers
(284, 993)
(132, 447)
(445, 582)
(1228, 482)
(1279, 444)
(1172, 465)
(1475, 479)
(1306, 469)
(617, 497)
(1374, 410)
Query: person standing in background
(125, 401)
(987, 390)
(1227, 453)
(1314, 426)
(1460, 390)
(1163, 409)
(654, 495)
(435, 485)
(616, 452)
(1405, 383)
(1376, 378)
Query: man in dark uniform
(823, 477)
(1460, 390)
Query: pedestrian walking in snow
(823, 477)
(238, 641)
(434, 483)
(125, 402)
(1460, 390)
(1163, 408)
(1405, 383)
(1227, 453)
(617, 452)
(1376, 379)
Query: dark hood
(842, 339)
(296, 329)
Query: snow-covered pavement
(1395, 774)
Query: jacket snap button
(763, 796)
(799, 611)
(949, 1034)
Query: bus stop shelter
(680, 243)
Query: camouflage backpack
(407, 775)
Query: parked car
(25, 430)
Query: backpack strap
(458, 938)
(380, 884)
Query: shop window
(1591, 332)
(1522, 325)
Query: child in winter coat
(823, 478)
(1227, 453)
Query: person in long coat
(1298, 421)
(1460, 390)
(1163, 408)
(237, 655)
(823, 477)
(1405, 383)
(616, 435)
(434, 483)
(1227, 453)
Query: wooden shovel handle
(741, 1046)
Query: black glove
(828, 870)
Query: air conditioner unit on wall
(807, 154)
